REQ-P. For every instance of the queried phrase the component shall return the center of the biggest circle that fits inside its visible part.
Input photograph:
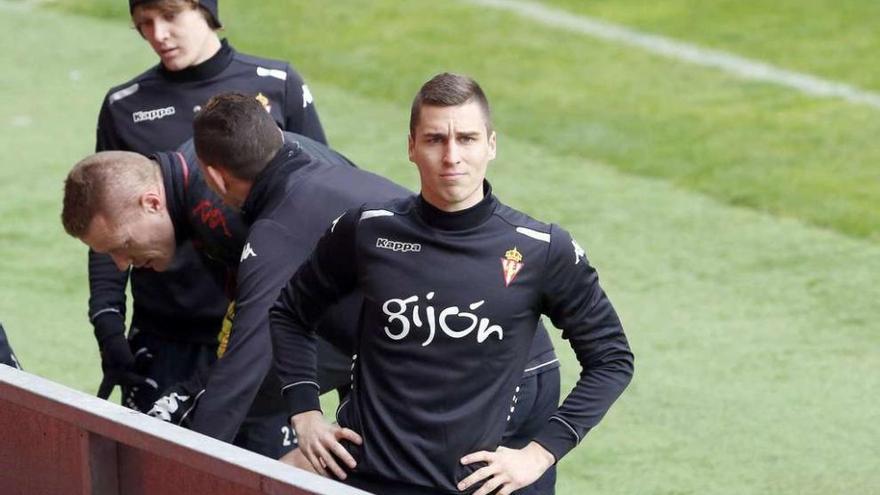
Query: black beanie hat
(209, 5)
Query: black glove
(179, 400)
(117, 361)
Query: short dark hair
(234, 131)
(105, 183)
(449, 90)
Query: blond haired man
(176, 313)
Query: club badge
(264, 101)
(511, 264)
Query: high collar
(205, 70)
(273, 176)
(462, 219)
(174, 181)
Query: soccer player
(7, 357)
(139, 210)
(176, 312)
(454, 282)
(234, 139)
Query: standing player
(454, 282)
(177, 313)
(286, 202)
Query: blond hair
(106, 183)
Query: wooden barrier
(56, 440)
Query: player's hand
(319, 442)
(506, 469)
(180, 400)
(172, 407)
(297, 459)
(120, 366)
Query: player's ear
(216, 179)
(151, 202)
(492, 144)
(410, 147)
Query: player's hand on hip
(319, 442)
(507, 470)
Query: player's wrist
(541, 456)
(302, 397)
(109, 326)
(299, 420)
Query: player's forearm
(607, 368)
(107, 295)
(234, 380)
(295, 354)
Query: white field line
(686, 52)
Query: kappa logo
(511, 264)
(578, 252)
(247, 252)
(397, 246)
(155, 114)
(307, 96)
(335, 221)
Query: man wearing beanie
(177, 314)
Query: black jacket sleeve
(7, 357)
(106, 138)
(575, 302)
(300, 114)
(269, 258)
(327, 276)
(106, 282)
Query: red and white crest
(511, 264)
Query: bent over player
(176, 313)
(454, 282)
(138, 211)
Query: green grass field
(735, 223)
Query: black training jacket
(154, 112)
(450, 309)
(291, 203)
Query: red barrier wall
(55, 440)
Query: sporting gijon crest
(511, 264)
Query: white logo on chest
(397, 246)
(148, 115)
(399, 323)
